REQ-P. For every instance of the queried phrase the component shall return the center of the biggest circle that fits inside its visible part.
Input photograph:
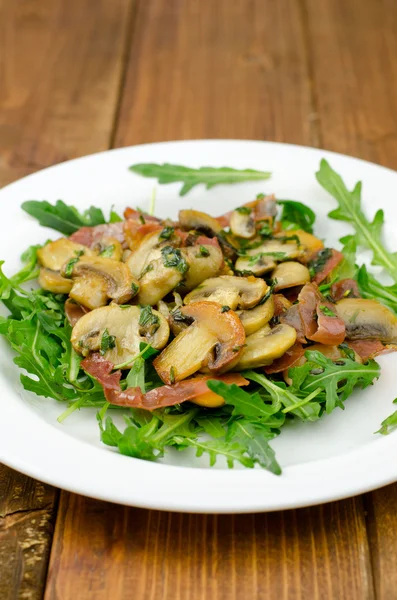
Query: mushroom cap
(290, 274)
(367, 319)
(200, 221)
(228, 290)
(54, 282)
(242, 223)
(124, 326)
(265, 345)
(201, 267)
(111, 279)
(255, 318)
(55, 254)
(215, 340)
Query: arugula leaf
(371, 288)
(304, 408)
(296, 215)
(390, 423)
(254, 436)
(210, 176)
(232, 451)
(211, 425)
(136, 375)
(245, 404)
(336, 379)
(347, 268)
(65, 218)
(367, 233)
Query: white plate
(336, 457)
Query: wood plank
(205, 69)
(353, 47)
(27, 510)
(61, 64)
(104, 550)
(60, 69)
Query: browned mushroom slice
(108, 247)
(367, 319)
(265, 345)
(200, 221)
(242, 223)
(255, 318)
(234, 292)
(54, 282)
(55, 254)
(257, 264)
(290, 274)
(146, 251)
(309, 242)
(98, 279)
(215, 340)
(204, 261)
(118, 332)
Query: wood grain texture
(60, 69)
(205, 69)
(27, 510)
(103, 550)
(61, 64)
(353, 49)
(202, 69)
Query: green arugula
(296, 215)
(255, 436)
(367, 234)
(210, 176)
(371, 288)
(390, 423)
(65, 218)
(336, 379)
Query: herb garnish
(327, 311)
(203, 251)
(108, 342)
(172, 258)
(166, 233)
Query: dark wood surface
(79, 76)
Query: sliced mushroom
(290, 274)
(255, 318)
(98, 279)
(257, 265)
(118, 332)
(310, 243)
(108, 247)
(367, 319)
(55, 254)
(215, 340)
(143, 254)
(160, 278)
(242, 223)
(204, 261)
(194, 219)
(231, 291)
(265, 345)
(54, 282)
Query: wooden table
(80, 76)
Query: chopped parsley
(166, 233)
(225, 308)
(172, 375)
(317, 264)
(253, 260)
(135, 288)
(148, 319)
(107, 342)
(203, 251)
(172, 258)
(243, 210)
(327, 311)
(70, 264)
(107, 252)
(148, 268)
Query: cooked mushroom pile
(210, 295)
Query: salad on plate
(206, 332)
